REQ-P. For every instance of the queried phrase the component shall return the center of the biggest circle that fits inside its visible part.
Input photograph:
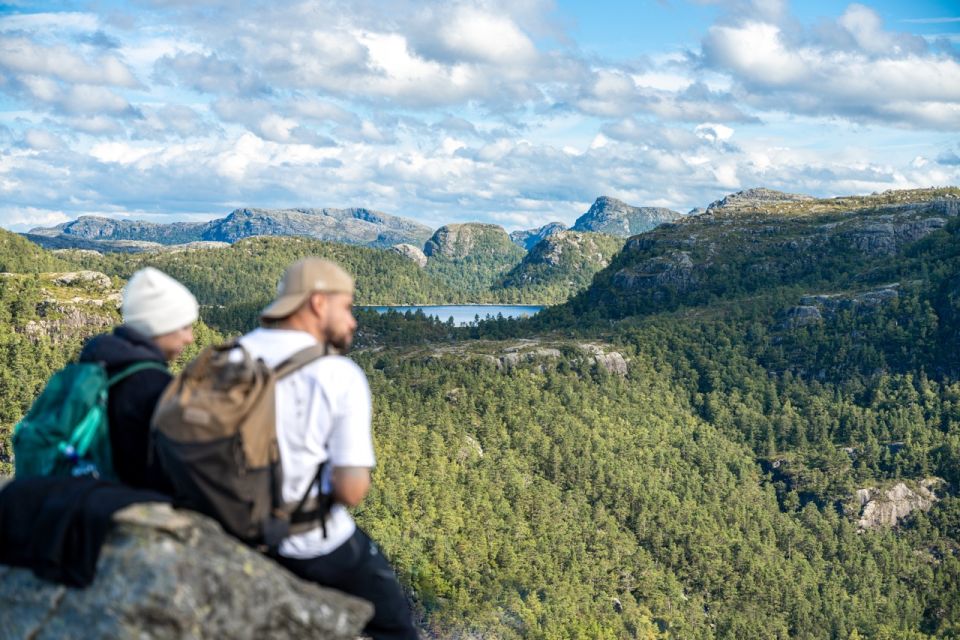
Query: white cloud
(484, 36)
(42, 140)
(25, 218)
(92, 99)
(20, 55)
(713, 132)
(880, 77)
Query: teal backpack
(65, 433)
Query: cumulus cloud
(206, 74)
(19, 55)
(875, 76)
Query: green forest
(675, 452)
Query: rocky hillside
(617, 218)
(352, 226)
(744, 246)
(528, 238)
(564, 262)
(472, 239)
(21, 256)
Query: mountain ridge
(357, 225)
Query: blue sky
(518, 113)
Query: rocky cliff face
(458, 241)
(529, 238)
(166, 574)
(75, 304)
(612, 216)
(885, 508)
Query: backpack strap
(310, 511)
(301, 359)
(136, 367)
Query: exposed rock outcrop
(83, 278)
(609, 215)
(167, 574)
(672, 271)
(755, 198)
(888, 508)
(77, 304)
(889, 234)
(411, 253)
(589, 355)
(802, 316)
(529, 238)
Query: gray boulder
(166, 574)
(411, 253)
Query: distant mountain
(352, 226)
(528, 238)
(472, 239)
(471, 258)
(609, 215)
(98, 228)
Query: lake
(464, 314)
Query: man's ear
(318, 303)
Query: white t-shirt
(323, 414)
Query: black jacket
(131, 403)
(56, 526)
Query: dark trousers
(357, 567)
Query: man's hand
(350, 484)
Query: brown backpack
(214, 433)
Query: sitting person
(158, 315)
(324, 416)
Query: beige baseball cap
(310, 275)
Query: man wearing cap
(158, 315)
(323, 416)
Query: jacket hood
(123, 346)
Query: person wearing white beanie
(158, 315)
(161, 308)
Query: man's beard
(341, 343)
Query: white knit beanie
(155, 304)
